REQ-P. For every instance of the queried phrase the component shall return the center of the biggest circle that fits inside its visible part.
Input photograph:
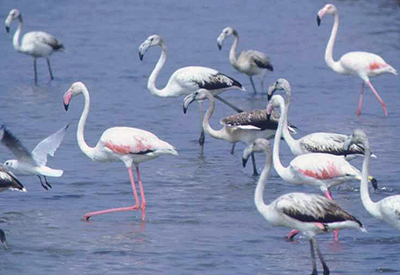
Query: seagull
(33, 162)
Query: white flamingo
(130, 145)
(36, 44)
(361, 64)
(310, 214)
(316, 169)
(244, 127)
(248, 62)
(187, 80)
(320, 142)
(387, 209)
(33, 162)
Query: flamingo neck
(262, 180)
(219, 134)
(286, 134)
(281, 124)
(89, 151)
(334, 65)
(232, 53)
(151, 84)
(17, 34)
(365, 197)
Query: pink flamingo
(316, 169)
(361, 64)
(126, 144)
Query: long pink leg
(336, 232)
(141, 194)
(379, 98)
(358, 111)
(129, 208)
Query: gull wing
(48, 146)
(15, 146)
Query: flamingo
(130, 145)
(248, 62)
(308, 213)
(320, 142)
(187, 80)
(387, 209)
(316, 169)
(361, 64)
(244, 127)
(36, 44)
(33, 162)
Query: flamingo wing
(260, 59)
(40, 37)
(255, 118)
(48, 146)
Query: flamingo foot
(292, 234)
(358, 112)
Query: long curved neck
(365, 198)
(89, 151)
(232, 53)
(262, 180)
(17, 35)
(334, 65)
(220, 134)
(277, 162)
(151, 84)
(286, 134)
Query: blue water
(201, 218)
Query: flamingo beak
(219, 46)
(374, 182)
(141, 56)
(318, 20)
(7, 29)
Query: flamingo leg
(35, 71)
(336, 232)
(292, 234)
(87, 216)
(48, 65)
(321, 258)
(141, 193)
(378, 97)
(313, 261)
(358, 111)
(202, 135)
(237, 109)
(252, 84)
(233, 148)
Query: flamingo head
(152, 40)
(259, 145)
(13, 15)
(328, 9)
(199, 95)
(275, 102)
(224, 34)
(279, 84)
(76, 89)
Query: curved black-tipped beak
(141, 56)
(7, 29)
(244, 161)
(3, 239)
(374, 183)
(66, 107)
(318, 20)
(269, 97)
(219, 46)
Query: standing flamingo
(244, 127)
(187, 80)
(247, 62)
(310, 214)
(126, 144)
(361, 64)
(316, 169)
(33, 162)
(387, 209)
(320, 142)
(36, 44)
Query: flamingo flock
(319, 160)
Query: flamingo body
(361, 64)
(36, 44)
(129, 145)
(9, 182)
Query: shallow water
(200, 216)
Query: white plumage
(387, 209)
(36, 44)
(248, 62)
(129, 145)
(33, 162)
(360, 64)
(310, 214)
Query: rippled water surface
(201, 217)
